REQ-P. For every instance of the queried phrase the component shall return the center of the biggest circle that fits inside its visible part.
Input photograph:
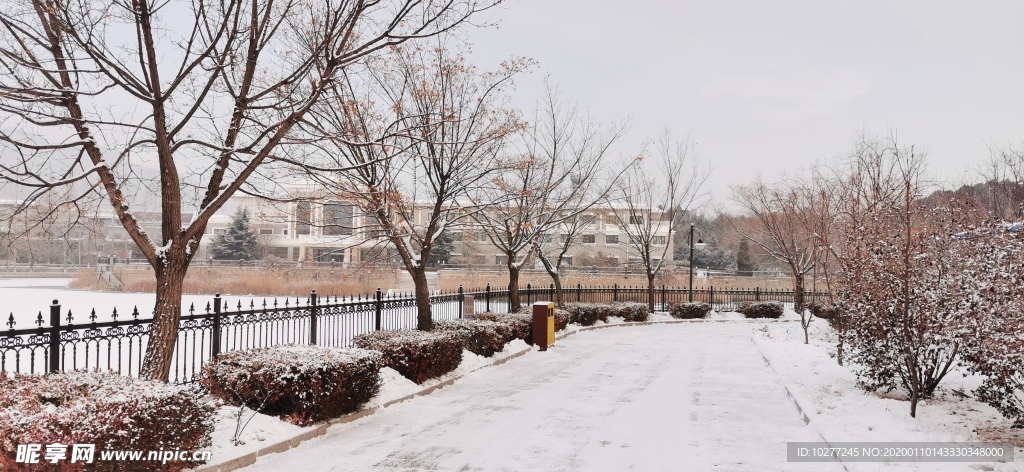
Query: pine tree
(744, 266)
(239, 242)
(444, 245)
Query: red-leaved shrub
(631, 311)
(689, 310)
(519, 324)
(417, 355)
(481, 337)
(301, 384)
(112, 412)
(761, 309)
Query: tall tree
(556, 177)
(783, 229)
(93, 94)
(649, 203)
(421, 132)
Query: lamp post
(699, 245)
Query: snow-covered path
(648, 398)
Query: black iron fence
(66, 342)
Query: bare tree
(785, 230)
(429, 135)
(93, 94)
(650, 202)
(556, 178)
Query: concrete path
(648, 398)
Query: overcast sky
(762, 86)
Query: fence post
(712, 297)
(615, 293)
(55, 337)
(487, 295)
(757, 294)
(462, 302)
(215, 337)
(551, 293)
(378, 309)
(312, 317)
(528, 288)
(579, 291)
(664, 307)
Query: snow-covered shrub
(761, 309)
(993, 346)
(631, 311)
(904, 283)
(519, 324)
(105, 409)
(481, 337)
(417, 355)
(587, 314)
(301, 384)
(689, 310)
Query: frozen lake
(26, 298)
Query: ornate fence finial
(10, 321)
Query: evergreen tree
(744, 266)
(238, 242)
(442, 250)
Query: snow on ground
(661, 397)
(263, 430)
(35, 283)
(844, 412)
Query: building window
(567, 261)
(217, 231)
(266, 231)
(303, 217)
(501, 260)
(562, 238)
(658, 240)
(338, 219)
(611, 239)
(285, 232)
(589, 239)
(636, 219)
(587, 219)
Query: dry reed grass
(252, 281)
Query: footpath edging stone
(801, 404)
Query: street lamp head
(700, 244)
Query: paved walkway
(648, 398)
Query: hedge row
(761, 309)
(587, 314)
(479, 336)
(689, 310)
(112, 412)
(301, 384)
(417, 355)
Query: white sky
(765, 86)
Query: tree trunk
(650, 291)
(798, 293)
(166, 317)
(839, 349)
(513, 288)
(558, 289)
(424, 316)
